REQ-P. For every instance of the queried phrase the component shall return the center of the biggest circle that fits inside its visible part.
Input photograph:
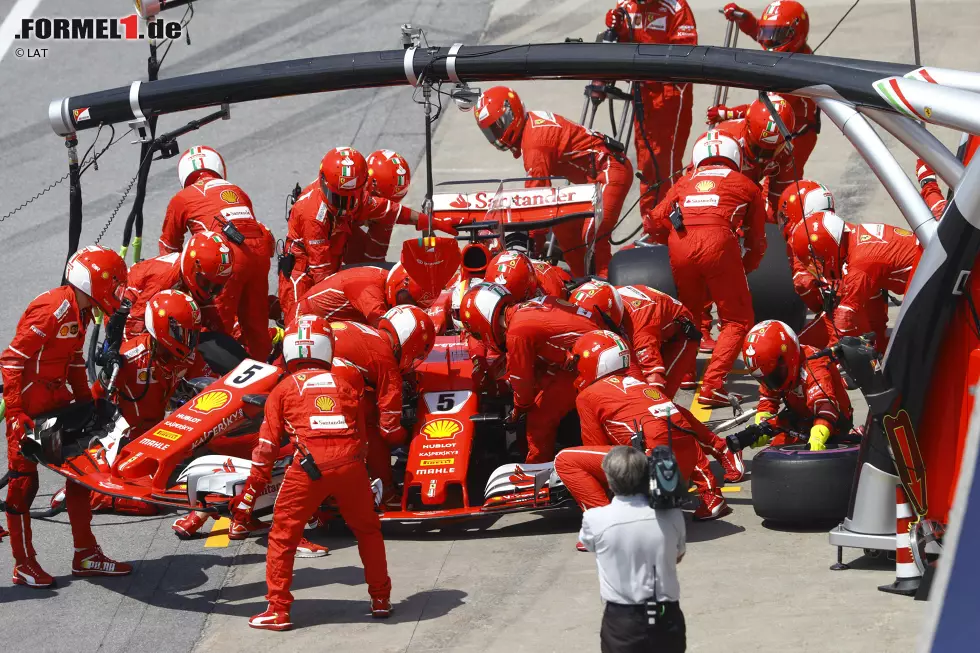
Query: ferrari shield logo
(442, 429)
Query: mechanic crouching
(637, 550)
(812, 390)
(318, 405)
(43, 371)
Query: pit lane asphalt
(520, 586)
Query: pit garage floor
(519, 586)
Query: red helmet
(501, 115)
(206, 265)
(343, 175)
(762, 137)
(403, 289)
(801, 199)
(773, 355)
(99, 273)
(514, 271)
(482, 312)
(783, 27)
(196, 160)
(601, 297)
(389, 175)
(412, 329)
(174, 321)
(819, 241)
(308, 338)
(598, 354)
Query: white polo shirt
(635, 546)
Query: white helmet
(199, 157)
(715, 144)
(309, 337)
(818, 199)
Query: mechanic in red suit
(930, 191)
(664, 341)
(765, 157)
(43, 370)
(405, 336)
(320, 410)
(802, 199)
(362, 295)
(664, 110)
(323, 218)
(201, 270)
(783, 27)
(388, 179)
(812, 390)
(709, 206)
(865, 261)
(552, 280)
(612, 404)
(536, 337)
(553, 146)
(210, 203)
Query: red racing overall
(352, 295)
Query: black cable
(834, 29)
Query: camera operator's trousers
(626, 629)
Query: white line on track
(11, 24)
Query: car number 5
(446, 401)
(247, 375)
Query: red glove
(720, 113)
(657, 380)
(732, 10)
(243, 505)
(924, 173)
(616, 19)
(444, 225)
(19, 422)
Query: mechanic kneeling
(637, 550)
(812, 390)
(318, 405)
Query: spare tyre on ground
(771, 284)
(794, 486)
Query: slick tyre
(794, 486)
(771, 285)
(645, 266)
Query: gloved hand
(19, 421)
(924, 173)
(719, 113)
(481, 376)
(819, 434)
(763, 439)
(444, 225)
(110, 361)
(731, 11)
(616, 19)
(762, 416)
(243, 504)
(517, 414)
(657, 380)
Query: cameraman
(637, 550)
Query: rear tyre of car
(771, 284)
(794, 486)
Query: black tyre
(645, 266)
(795, 486)
(771, 284)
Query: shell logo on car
(442, 429)
(210, 401)
(325, 403)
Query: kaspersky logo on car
(97, 29)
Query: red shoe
(717, 398)
(187, 527)
(92, 562)
(318, 520)
(689, 382)
(307, 549)
(581, 547)
(713, 506)
(30, 574)
(241, 531)
(731, 462)
(3, 533)
(271, 620)
(380, 608)
(707, 345)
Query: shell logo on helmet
(211, 401)
(325, 403)
(442, 429)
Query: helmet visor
(495, 132)
(777, 378)
(209, 288)
(342, 204)
(188, 338)
(772, 37)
